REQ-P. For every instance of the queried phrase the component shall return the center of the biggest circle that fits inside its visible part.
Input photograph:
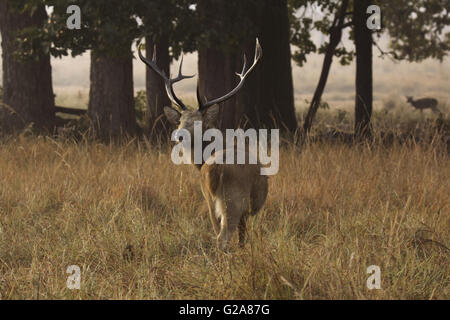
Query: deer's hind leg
(233, 208)
(228, 224)
(212, 216)
(242, 229)
(258, 194)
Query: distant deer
(424, 103)
(232, 191)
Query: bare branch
(390, 54)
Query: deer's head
(409, 99)
(207, 111)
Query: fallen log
(73, 111)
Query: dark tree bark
(111, 96)
(217, 66)
(269, 99)
(266, 100)
(27, 85)
(158, 127)
(216, 78)
(364, 73)
(335, 38)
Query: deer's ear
(210, 115)
(172, 115)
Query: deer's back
(425, 103)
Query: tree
(28, 93)
(335, 39)
(108, 29)
(301, 27)
(111, 96)
(170, 27)
(267, 99)
(275, 91)
(157, 99)
(364, 69)
(112, 29)
(416, 30)
(218, 52)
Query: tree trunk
(158, 127)
(266, 100)
(217, 66)
(364, 75)
(216, 79)
(27, 85)
(111, 96)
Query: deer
(424, 103)
(233, 192)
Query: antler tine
(243, 68)
(168, 82)
(180, 74)
(258, 51)
(151, 64)
(199, 97)
(242, 76)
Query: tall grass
(137, 225)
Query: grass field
(137, 225)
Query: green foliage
(302, 26)
(22, 6)
(110, 26)
(301, 37)
(171, 20)
(322, 105)
(140, 105)
(31, 41)
(235, 22)
(418, 29)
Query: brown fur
(424, 103)
(232, 191)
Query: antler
(169, 82)
(243, 75)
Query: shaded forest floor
(137, 225)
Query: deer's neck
(198, 165)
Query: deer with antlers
(233, 192)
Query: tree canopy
(417, 30)
(222, 29)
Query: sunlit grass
(137, 226)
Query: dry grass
(137, 226)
